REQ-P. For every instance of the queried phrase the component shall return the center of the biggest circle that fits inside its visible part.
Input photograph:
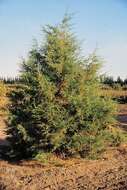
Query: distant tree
(125, 81)
(58, 108)
(108, 80)
(119, 81)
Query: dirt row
(109, 173)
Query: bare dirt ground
(122, 117)
(109, 173)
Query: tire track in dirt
(122, 116)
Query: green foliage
(43, 157)
(117, 136)
(58, 108)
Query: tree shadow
(4, 149)
(122, 118)
(4, 142)
(6, 153)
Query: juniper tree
(58, 107)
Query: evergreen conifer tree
(58, 108)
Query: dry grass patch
(114, 93)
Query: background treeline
(114, 88)
(109, 81)
(11, 80)
(105, 81)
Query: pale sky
(99, 23)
